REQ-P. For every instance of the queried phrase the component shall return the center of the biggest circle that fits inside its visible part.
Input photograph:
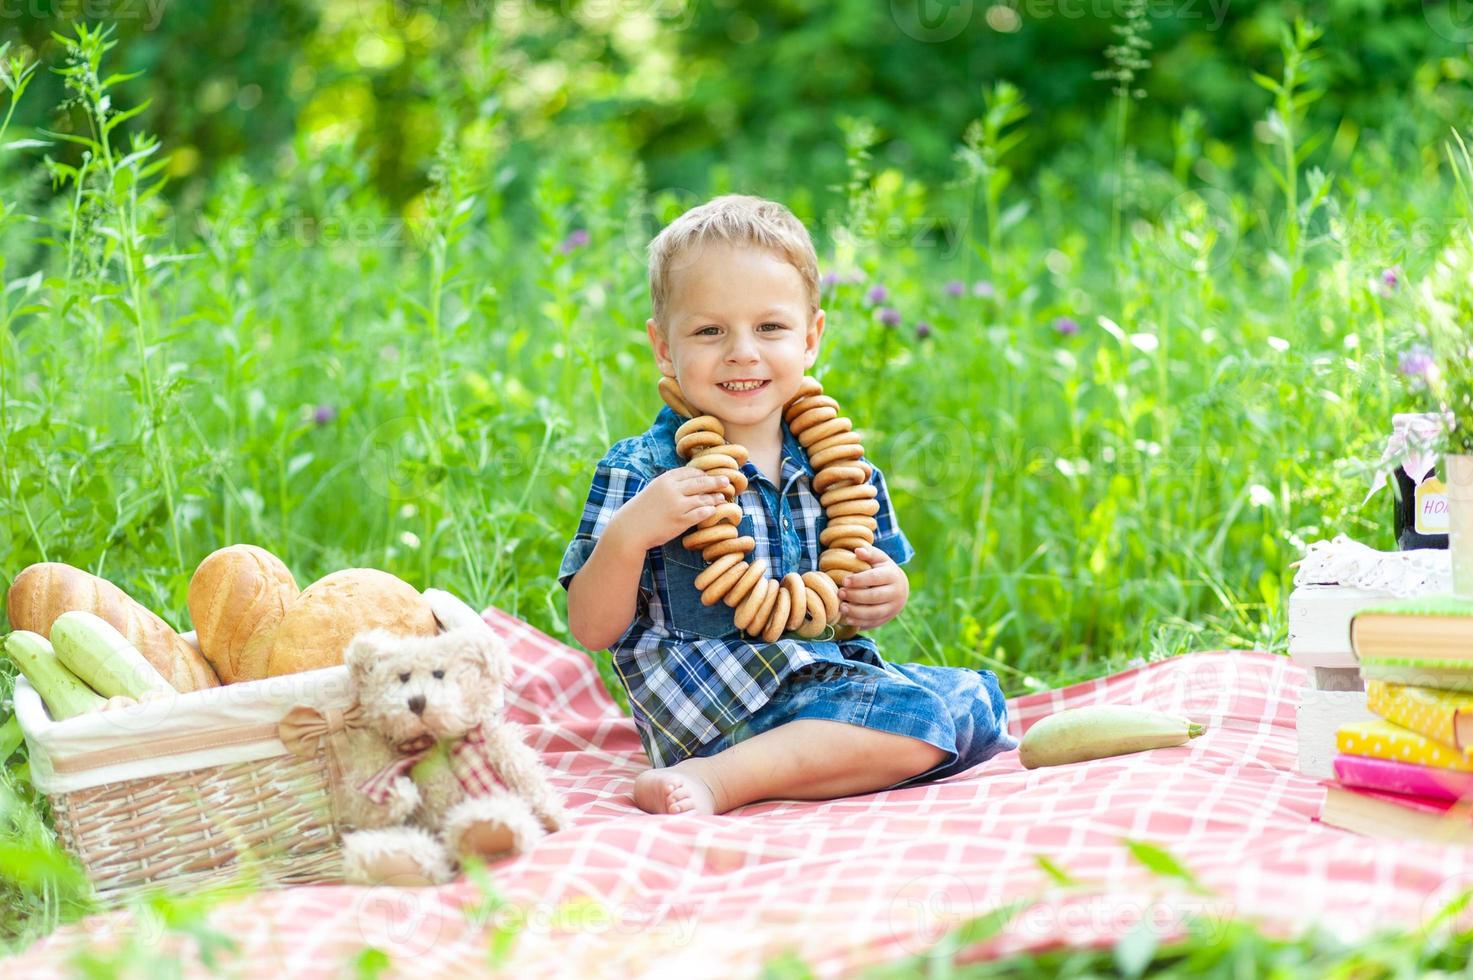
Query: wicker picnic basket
(200, 788)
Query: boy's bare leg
(808, 759)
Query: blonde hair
(737, 219)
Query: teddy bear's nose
(417, 704)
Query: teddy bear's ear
(362, 653)
(485, 646)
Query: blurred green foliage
(705, 92)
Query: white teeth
(748, 386)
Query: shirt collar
(663, 433)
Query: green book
(1438, 626)
(1435, 672)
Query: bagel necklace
(808, 602)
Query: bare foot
(676, 789)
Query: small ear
(362, 653)
(486, 648)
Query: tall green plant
(16, 73)
(860, 136)
(1128, 61)
(985, 146)
(115, 192)
(1293, 94)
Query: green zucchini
(63, 691)
(103, 658)
(1100, 730)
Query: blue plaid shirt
(690, 674)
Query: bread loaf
(237, 598)
(42, 592)
(315, 631)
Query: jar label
(1431, 503)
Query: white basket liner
(214, 727)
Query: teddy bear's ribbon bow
(302, 726)
(467, 762)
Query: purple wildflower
(576, 239)
(1416, 363)
(889, 316)
(955, 288)
(1066, 325)
(877, 294)
(983, 289)
(324, 414)
(1391, 277)
(829, 281)
(923, 330)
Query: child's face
(737, 313)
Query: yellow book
(1445, 717)
(1383, 740)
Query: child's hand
(876, 595)
(669, 504)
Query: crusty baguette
(237, 597)
(44, 591)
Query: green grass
(289, 363)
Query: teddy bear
(460, 779)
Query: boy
(725, 719)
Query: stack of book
(1408, 772)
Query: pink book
(1406, 778)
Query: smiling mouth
(743, 389)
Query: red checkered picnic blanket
(852, 882)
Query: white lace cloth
(1343, 561)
